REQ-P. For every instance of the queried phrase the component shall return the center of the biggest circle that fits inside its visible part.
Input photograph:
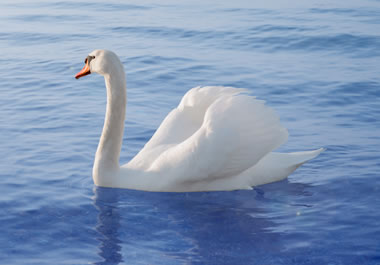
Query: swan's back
(215, 132)
(181, 123)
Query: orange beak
(85, 71)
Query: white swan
(218, 138)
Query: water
(316, 63)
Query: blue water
(316, 62)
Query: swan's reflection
(108, 224)
(191, 228)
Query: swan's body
(218, 138)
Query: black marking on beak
(88, 59)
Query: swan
(217, 139)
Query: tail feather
(273, 167)
(277, 166)
(298, 158)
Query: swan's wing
(236, 132)
(188, 117)
(181, 123)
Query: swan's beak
(85, 71)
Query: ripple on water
(315, 64)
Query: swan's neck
(108, 153)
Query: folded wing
(181, 123)
(216, 132)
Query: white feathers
(212, 137)
(215, 132)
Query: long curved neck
(108, 152)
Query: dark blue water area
(317, 63)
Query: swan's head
(103, 62)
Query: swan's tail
(272, 167)
(296, 159)
(277, 166)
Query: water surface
(316, 63)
